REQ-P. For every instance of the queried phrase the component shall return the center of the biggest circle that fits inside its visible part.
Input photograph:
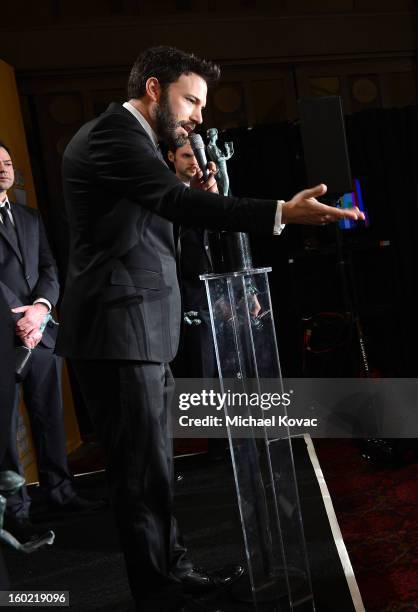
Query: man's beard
(166, 125)
(187, 176)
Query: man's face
(7, 175)
(184, 162)
(180, 109)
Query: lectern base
(274, 591)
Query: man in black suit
(121, 310)
(29, 284)
(197, 357)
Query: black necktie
(9, 227)
(7, 224)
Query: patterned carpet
(377, 510)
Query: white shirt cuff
(278, 225)
(44, 301)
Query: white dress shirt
(5, 206)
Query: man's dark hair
(167, 64)
(4, 146)
(173, 146)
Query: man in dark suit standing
(121, 310)
(197, 355)
(29, 284)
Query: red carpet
(377, 510)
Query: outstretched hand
(305, 209)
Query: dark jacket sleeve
(47, 286)
(12, 301)
(125, 162)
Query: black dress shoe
(78, 504)
(200, 581)
(24, 531)
(10, 482)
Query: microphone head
(196, 141)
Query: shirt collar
(5, 203)
(144, 123)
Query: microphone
(199, 151)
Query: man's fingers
(20, 309)
(25, 327)
(327, 214)
(210, 184)
(330, 213)
(23, 323)
(212, 167)
(36, 337)
(22, 336)
(359, 214)
(314, 192)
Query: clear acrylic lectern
(247, 355)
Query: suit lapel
(20, 226)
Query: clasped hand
(28, 326)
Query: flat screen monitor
(349, 200)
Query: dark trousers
(42, 395)
(129, 405)
(196, 357)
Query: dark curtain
(383, 152)
(383, 147)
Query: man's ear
(170, 156)
(153, 89)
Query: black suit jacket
(195, 260)
(28, 272)
(196, 358)
(121, 298)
